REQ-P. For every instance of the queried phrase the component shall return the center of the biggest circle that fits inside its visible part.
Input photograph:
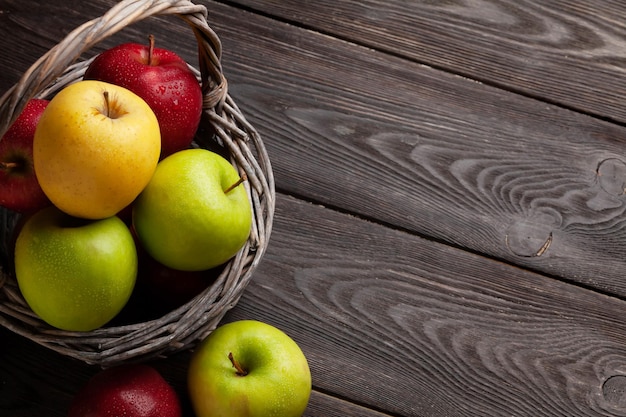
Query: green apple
(248, 368)
(75, 274)
(194, 214)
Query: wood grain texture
(421, 329)
(36, 382)
(433, 153)
(393, 322)
(422, 150)
(525, 46)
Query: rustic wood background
(449, 236)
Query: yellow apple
(95, 148)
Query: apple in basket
(194, 214)
(19, 189)
(248, 368)
(96, 147)
(163, 79)
(75, 274)
(134, 390)
(162, 289)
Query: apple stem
(8, 165)
(150, 48)
(107, 104)
(237, 365)
(243, 178)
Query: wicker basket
(188, 324)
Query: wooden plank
(421, 329)
(432, 153)
(392, 321)
(397, 323)
(325, 405)
(32, 383)
(419, 149)
(568, 51)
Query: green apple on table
(248, 368)
(194, 214)
(95, 148)
(75, 274)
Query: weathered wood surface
(433, 153)
(442, 247)
(571, 52)
(388, 323)
(436, 154)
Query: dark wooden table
(450, 234)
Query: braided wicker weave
(188, 324)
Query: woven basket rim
(192, 322)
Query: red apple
(163, 79)
(163, 288)
(160, 289)
(19, 188)
(134, 390)
(169, 288)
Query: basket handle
(47, 69)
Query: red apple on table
(163, 79)
(19, 189)
(134, 390)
